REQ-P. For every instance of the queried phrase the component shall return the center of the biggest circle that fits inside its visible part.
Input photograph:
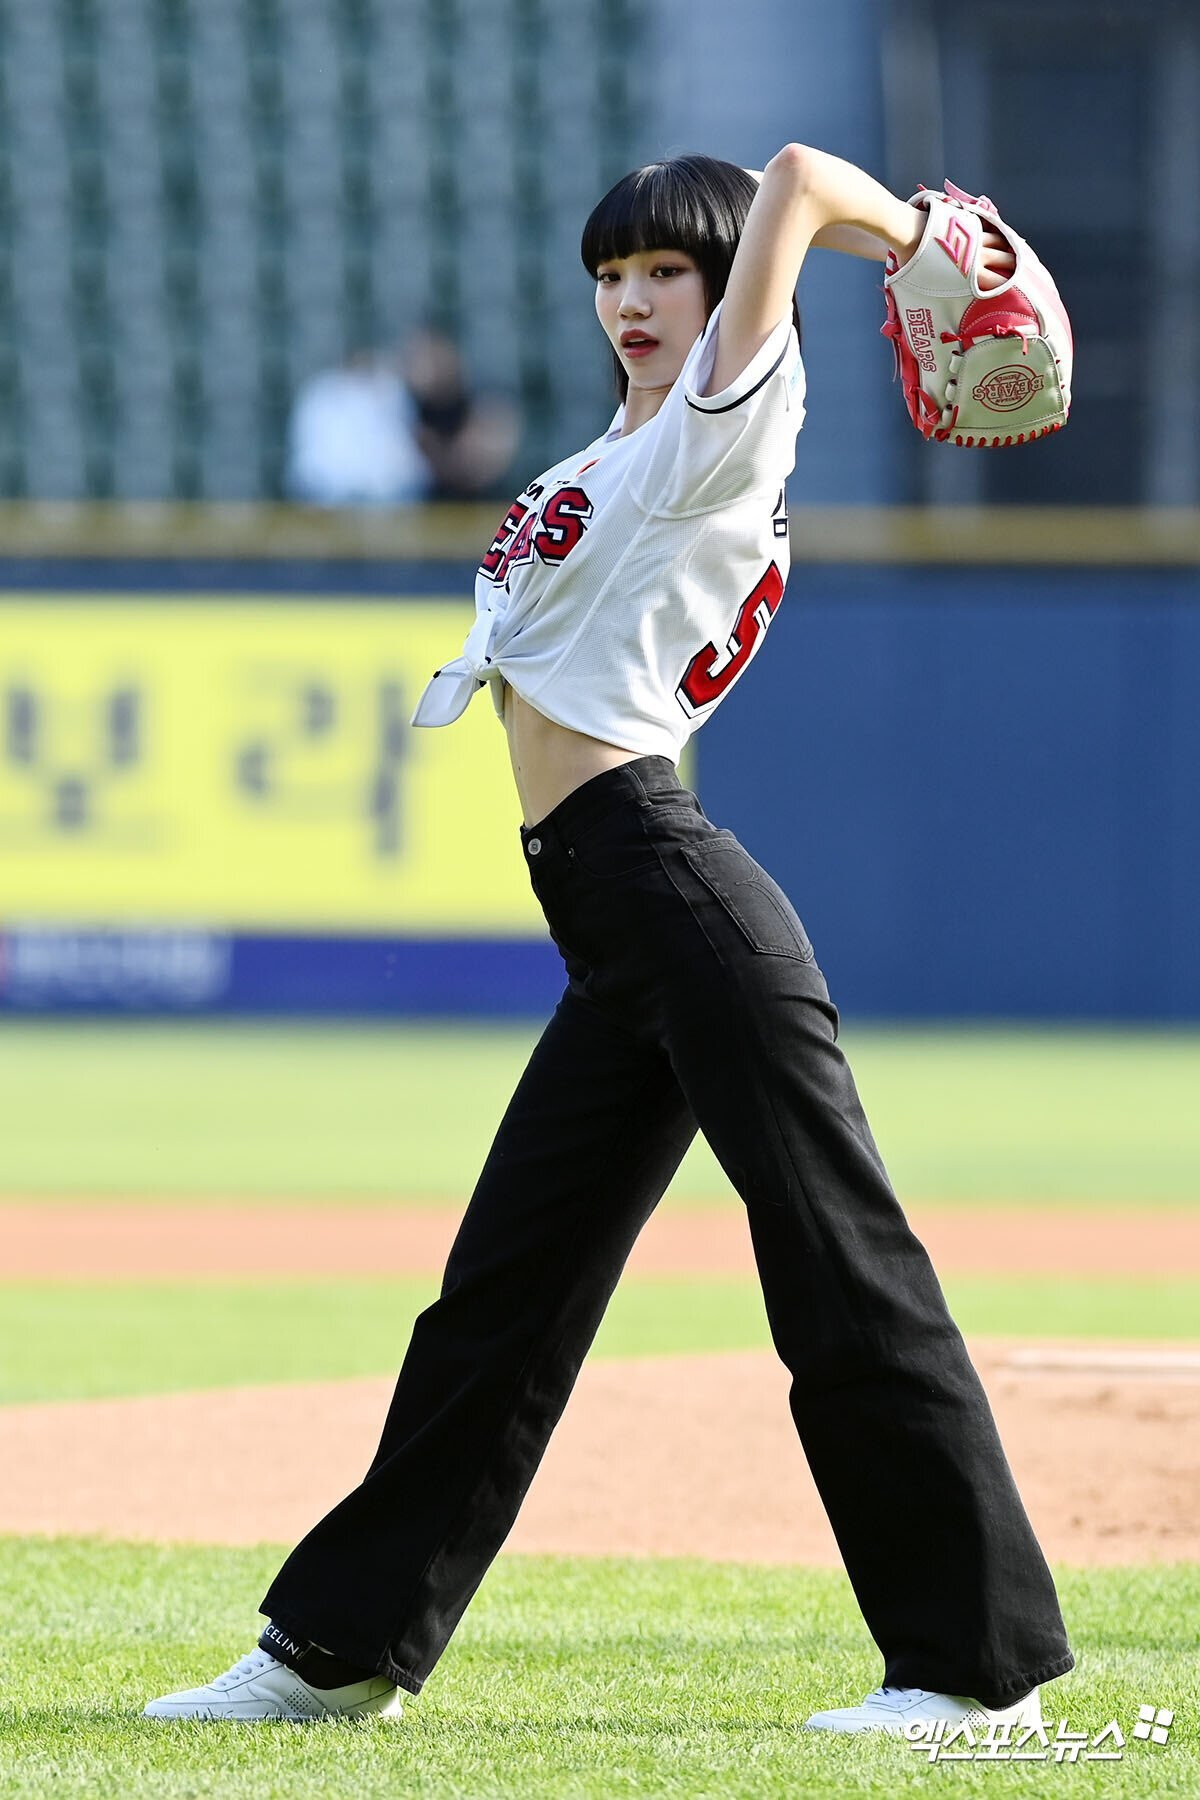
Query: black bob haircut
(696, 204)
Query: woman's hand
(997, 262)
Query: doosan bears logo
(920, 336)
(1008, 389)
(549, 531)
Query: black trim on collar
(750, 392)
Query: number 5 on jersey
(712, 672)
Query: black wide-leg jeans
(693, 999)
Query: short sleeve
(709, 450)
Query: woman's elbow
(793, 163)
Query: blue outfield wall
(979, 786)
(140, 972)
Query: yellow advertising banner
(250, 764)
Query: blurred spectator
(352, 437)
(468, 440)
(388, 427)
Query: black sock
(320, 1668)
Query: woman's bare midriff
(549, 761)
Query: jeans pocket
(614, 846)
(671, 817)
(757, 905)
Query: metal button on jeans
(534, 846)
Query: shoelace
(257, 1663)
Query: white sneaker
(258, 1687)
(894, 1709)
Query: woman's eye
(668, 269)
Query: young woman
(624, 594)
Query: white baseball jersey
(630, 585)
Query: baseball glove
(983, 367)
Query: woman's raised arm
(805, 196)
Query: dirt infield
(101, 1242)
(679, 1455)
(673, 1455)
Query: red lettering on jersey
(707, 676)
(495, 552)
(564, 521)
(519, 550)
(551, 536)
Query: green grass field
(72, 1343)
(568, 1677)
(397, 1112)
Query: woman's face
(652, 306)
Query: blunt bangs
(696, 204)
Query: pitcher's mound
(662, 1456)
